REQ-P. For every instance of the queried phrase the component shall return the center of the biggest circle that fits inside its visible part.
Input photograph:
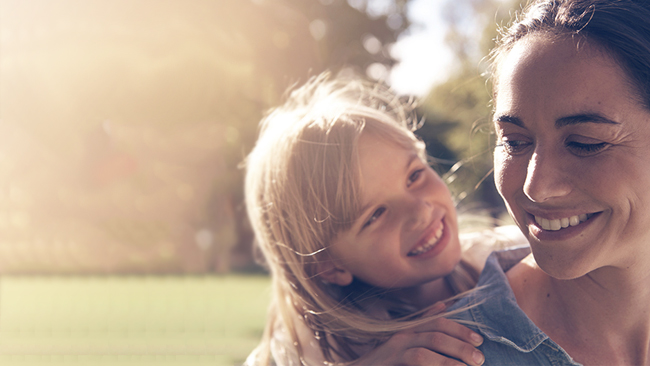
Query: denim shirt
(510, 337)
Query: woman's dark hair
(620, 27)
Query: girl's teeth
(557, 224)
(428, 245)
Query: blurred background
(123, 126)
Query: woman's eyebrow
(504, 118)
(562, 122)
(583, 118)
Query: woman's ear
(330, 273)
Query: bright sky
(424, 57)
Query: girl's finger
(421, 356)
(449, 346)
(451, 328)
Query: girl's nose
(417, 212)
(545, 178)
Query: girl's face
(572, 160)
(407, 233)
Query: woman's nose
(545, 177)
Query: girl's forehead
(377, 153)
(381, 137)
(372, 146)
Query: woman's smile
(572, 156)
(565, 228)
(563, 223)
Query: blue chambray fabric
(510, 337)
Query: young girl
(359, 233)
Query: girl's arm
(439, 342)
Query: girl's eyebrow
(414, 156)
(562, 122)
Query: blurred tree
(290, 40)
(286, 42)
(138, 112)
(459, 109)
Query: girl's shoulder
(478, 245)
(284, 348)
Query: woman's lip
(536, 229)
(556, 215)
(563, 223)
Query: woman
(572, 162)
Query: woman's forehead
(550, 53)
(538, 62)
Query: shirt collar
(499, 313)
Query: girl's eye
(375, 215)
(414, 176)
(582, 149)
(513, 146)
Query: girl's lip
(430, 232)
(436, 222)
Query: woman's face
(572, 160)
(407, 234)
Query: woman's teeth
(429, 244)
(557, 224)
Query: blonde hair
(302, 189)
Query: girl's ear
(329, 272)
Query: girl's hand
(439, 342)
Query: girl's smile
(406, 234)
(435, 241)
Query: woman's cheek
(501, 161)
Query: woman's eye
(582, 149)
(513, 146)
(375, 215)
(414, 176)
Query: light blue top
(510, 337)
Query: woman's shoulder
(478, 245)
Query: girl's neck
(601, 317)
(427, 294)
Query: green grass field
(87, 321)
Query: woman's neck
(602, 317)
